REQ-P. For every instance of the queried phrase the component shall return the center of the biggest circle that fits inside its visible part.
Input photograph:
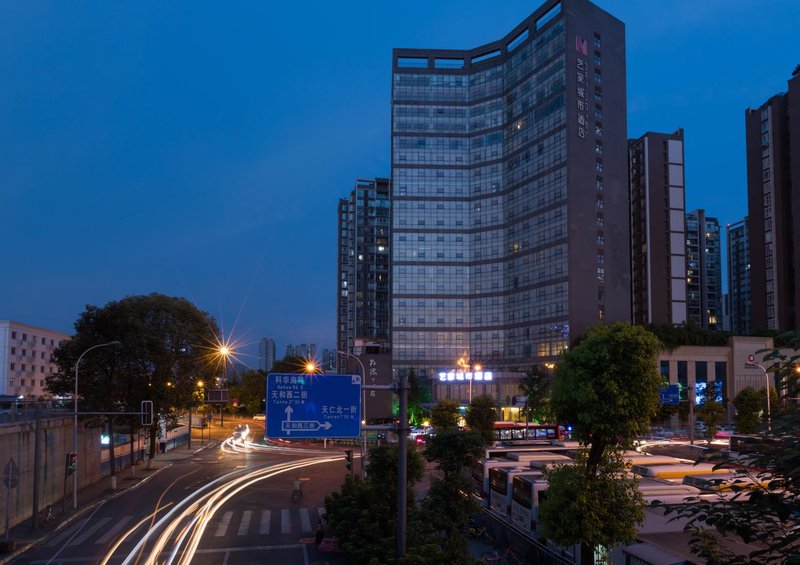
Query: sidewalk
(22, 537)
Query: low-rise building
(26, 358)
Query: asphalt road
(225, 505)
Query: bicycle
(476, 532)
(46, 516)
(508, 556)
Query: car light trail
(185, 523)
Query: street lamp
(752, 365)
(363, 408)
(469, 367)
(75, 421)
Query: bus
(501, 480)
(652, 487)
(645, 459)
(717, 483)
(747, 449)
(678, 471)
(480, 469)
(527, 493)
(495, 451)
(525, 431)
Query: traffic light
(71, 463)
(348, 457)
(147, 412)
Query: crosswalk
(229, 523)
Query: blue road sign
(670, 395)
(303, 406)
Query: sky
(199, 149)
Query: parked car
(260, 417)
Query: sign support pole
(402, 468)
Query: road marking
(286, 524)
(223, 525)
(244, 525)
(264, 529)
(113, 531)
(68, 532)
(305, 520)
(85, 535)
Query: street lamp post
(75, 421)
(363, 409)
(469, 368)
(224, 351)
(752, 365)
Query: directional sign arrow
(305, 425)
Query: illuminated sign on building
(460, 376)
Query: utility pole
(37, 463)
(402, 468)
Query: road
(228, 504)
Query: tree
(603, 507)
(167, 344)
(445, 415)
(712, 413)
(363, 514)
(749, 404)
(606, 387)
(250, 392)
(481, 416)
(416, 396)
(453, 449)
(535, 386)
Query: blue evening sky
(199, 149)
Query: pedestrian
(320, 534)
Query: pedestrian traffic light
(71, 463)
(348, 457)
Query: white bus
(496, 451)
(716, 483)
(526, 496)
(501, 480)
(678, 471)
(481, 468)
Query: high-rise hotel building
(773, 201)
(509, 185)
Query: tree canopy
(249, 392)
(535, 385)
(481, 416)
(606, 387)
(712, 413)
(445, 415)
(166, 346)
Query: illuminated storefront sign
(461, 376)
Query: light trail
(185, 523)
